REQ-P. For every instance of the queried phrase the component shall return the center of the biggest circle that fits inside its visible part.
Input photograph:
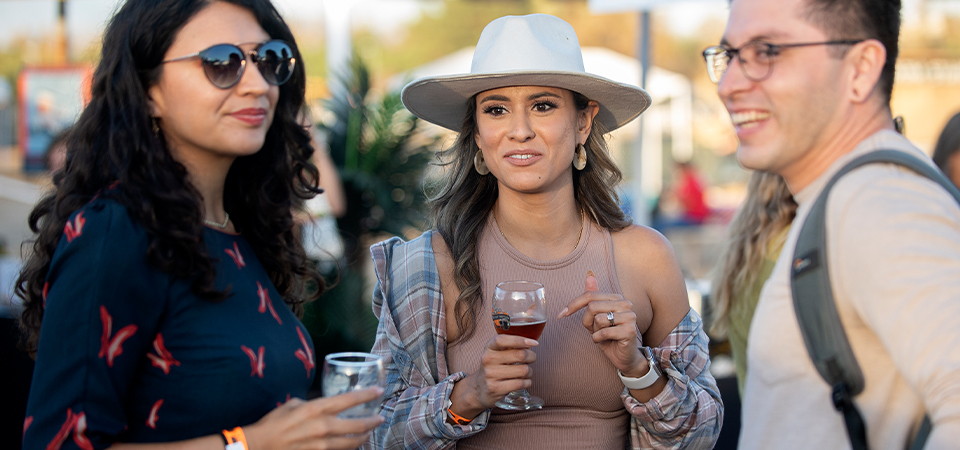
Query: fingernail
(590, 274)
(563, 312)
(531, 342)
(379, 390)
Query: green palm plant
(382, 159)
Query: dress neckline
(517, 255)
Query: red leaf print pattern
(153, 417)
(111, 348)
(281, 404)
(46, 290)
(163, 359)
(64, 432)
(265, 303)
(77, 423)
(75, 228)
(237, 257)
(256, 360)
(29, 419)
(305, 354)
(80, 433)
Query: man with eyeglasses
(807, 84)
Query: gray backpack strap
(816, 311)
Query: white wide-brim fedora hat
(531, 50)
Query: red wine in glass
(526, 327)
(520, 309)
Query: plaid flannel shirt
(411, 338)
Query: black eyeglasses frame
(773, 50)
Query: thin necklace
(226, 218)
(579, 235)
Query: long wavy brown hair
(113, 141)
(756, 228)
(462, 199)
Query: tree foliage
(372, 142)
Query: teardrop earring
(480, 164)
(580, 157)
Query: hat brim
(443, 100)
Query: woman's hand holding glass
(314, 423)
(519, 309)
(506, 368)
(343, 419)
(505, 372)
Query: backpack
(813, 302)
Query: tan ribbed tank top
(578, 384)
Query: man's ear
(868, 58)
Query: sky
(86, 18)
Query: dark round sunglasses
(224, 63)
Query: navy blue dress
(129, 354)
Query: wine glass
(353, 371)
(520, 309)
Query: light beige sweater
(894, 258)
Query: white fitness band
(643, 382)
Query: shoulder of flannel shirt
(408, 293)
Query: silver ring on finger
(610, 317)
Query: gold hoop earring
(156, 127)
(580, 157)
(480, 164)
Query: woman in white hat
(530, 194)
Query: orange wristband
(235, 439)
(458, 419)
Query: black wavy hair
(114, 141)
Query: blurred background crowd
(681, 173)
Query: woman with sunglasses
(164, 286)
